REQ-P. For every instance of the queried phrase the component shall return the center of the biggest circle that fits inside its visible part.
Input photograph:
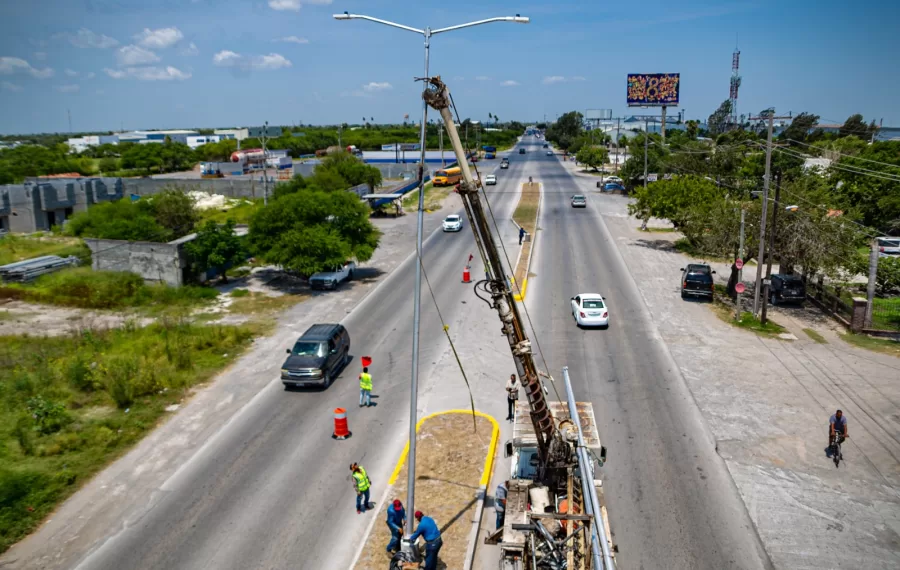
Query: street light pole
(414, 383)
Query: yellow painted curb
(520, 296)
(488, 462)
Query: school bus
(447, 177)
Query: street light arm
(515, 19)
(346, 16)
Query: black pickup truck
(697, 281)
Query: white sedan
(590, 310)
(452, 223)
(490, 180)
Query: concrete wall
(155, 262)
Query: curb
(482, 486)
(520, 296)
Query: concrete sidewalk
(768, 402)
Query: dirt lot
(450, 460)
(526, 216)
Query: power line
(839, 166)
(847, 155)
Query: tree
(853, 126)
(108, 164)
(216, 247)
(174, 209)
(566, 129)
(679, 200)
(718, 122)
(867, 183)
(799, 129)
(592, 156)
(313, 230)
(692, 128)
(657, 156)
(124, 220)
(351, 169)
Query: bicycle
(836, 453)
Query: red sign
(739, 287)
(366, 361)
(739, 263)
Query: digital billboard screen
(653, 89)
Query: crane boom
(552, 481)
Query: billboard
(653, 89)
(598, 114)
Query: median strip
(526, 216)
(454, 461)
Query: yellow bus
(448, 176)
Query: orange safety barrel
(341, 431)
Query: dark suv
(317, 357)
(697, 281)
(786, 289)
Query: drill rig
(554, 518)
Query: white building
(236, 134)
(194, 141)
(81, 144)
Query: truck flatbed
(523, 429)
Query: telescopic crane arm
(496, 285)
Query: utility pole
(870, 288)
(618, 124)
(770, 117)
(740, 279)
(441, 144)
(265, 137)
(663, 125)
(646, 146)
(765, 298)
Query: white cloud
(91, 75)
(85, 38)
(292, 5)
(159, 39)
(459, 78)
(578, 78)
(135, 55)
(68, 88)
(190, 50)
(150, 73)
(228, 58)
(15, 65)
(510, 83)
(292, 40)
(71, 73)
(551, 79)
(40, 56)
(7, 86)
(377, 86)
(320, 2)
(482, 78)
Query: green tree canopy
(717, 123)
(174, 209)
(216, 247)
(798, 130)
(351, 169)
(592, 156)
(119, 220)
(566, 129)
(313, 230)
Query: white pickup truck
(331, 279)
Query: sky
(158, 64)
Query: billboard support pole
(663, 127)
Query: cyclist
(837, 425)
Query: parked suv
(697, 281)
(317, 357)
(787, 289)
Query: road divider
(451, 483)
(525, 217)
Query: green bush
(49, 416)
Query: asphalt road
(671, 501)
(272, 489)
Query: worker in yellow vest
(362, 484)
(365, 388)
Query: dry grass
(526, 216)
(449, 462)
(260, 304)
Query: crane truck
(555, 518)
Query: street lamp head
(344, 16)
(521, 19)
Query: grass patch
(240, 213)
(87, 289)
(815, 336)
(725, 311)
(525, 215)
(253, 303)
(434, 195)
(682, 245)
(885, 310)
(875, 344)
(659, 231)
(72, 404)
(15, 248)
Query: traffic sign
(739, 288)
(739, 263)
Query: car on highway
(452, 223)
(504, 165)
(317, 357)
(614, 179)
(331, 279)
(697, 281)
(613, 187)
(490, 179)
(521, 151)
(590, 310)
(579, 201)
(888, 247)
(546, 145)
(549, 153)
(786, 289)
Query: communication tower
(735, 85)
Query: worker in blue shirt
(428, 530)
(396, 517)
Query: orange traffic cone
(341, 431)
